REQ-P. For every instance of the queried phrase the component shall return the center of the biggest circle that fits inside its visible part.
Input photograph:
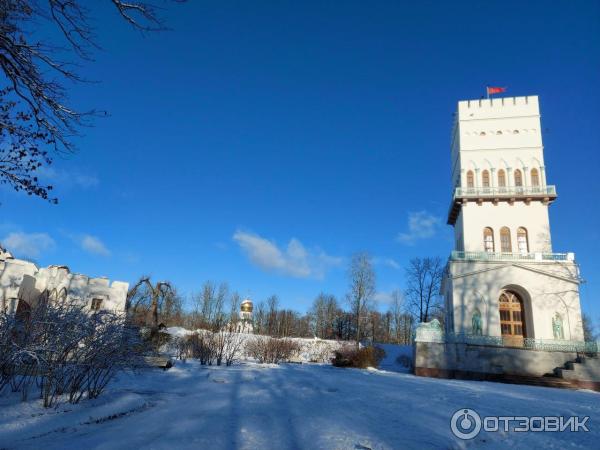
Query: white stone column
(492, 178)
(477, 184)
(509, 180)
(543, 176)
(525, 177)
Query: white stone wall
(533, 217)
(21, 279)
(546, 289)
(492, 135)
(499, 133)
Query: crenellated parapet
(24, 280)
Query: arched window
(535, 177)
(501, 178)
(505, 245)
(482, 133)
(488, 240)
(518, 178)
(498, 132)
(485, 179)
(522, 241)
(470, 179)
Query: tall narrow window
(485, 179)
(522, 241)
(501, 178)
(505, 245)
(470, 179)
(535, 177)
(488, 240)
(518, 178)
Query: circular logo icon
(465, 424)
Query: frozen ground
(290, 406)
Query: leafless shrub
(200, 347)
(63, 350)
(272, 350)
(350, 356)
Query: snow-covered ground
(291, 406)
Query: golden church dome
(246, 306)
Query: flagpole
(487, 92)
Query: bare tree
(145, 297)
(588, 328)
(234, 309)
(272, 304)
(34, 81)
(362, 289)
(423, 278)
(323, 315)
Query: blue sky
(264, 143)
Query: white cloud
(421, 225)
(383, 297)
(67, 179)
(389, 262)
(295, 260)
(94, 245)
(28, 245)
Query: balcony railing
(508, 193)
(495, 192)
(548, 345)
(432, 332)
(493, 256)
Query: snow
(178, 331)
(290, 406)
(397, 357)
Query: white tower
(503, 279)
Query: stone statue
(476, 323)
(557, 327)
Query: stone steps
(545, 381)
(583, 371)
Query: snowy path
(290, 407)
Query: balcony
(496, 194)
(527, 257)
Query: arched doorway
(512, 319)
(23, 313)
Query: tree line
(354, 317)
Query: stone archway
(513, 322)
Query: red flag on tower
(495, 90)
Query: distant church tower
(245, 324)
(502, 277)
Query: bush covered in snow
(350, 356)
(272, 350)
(221, 347)
(194, 344)
(63, 351)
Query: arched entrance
(512, 319)
(23, 313)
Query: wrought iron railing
(548, 345)
(478, 192)
(501, 256)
